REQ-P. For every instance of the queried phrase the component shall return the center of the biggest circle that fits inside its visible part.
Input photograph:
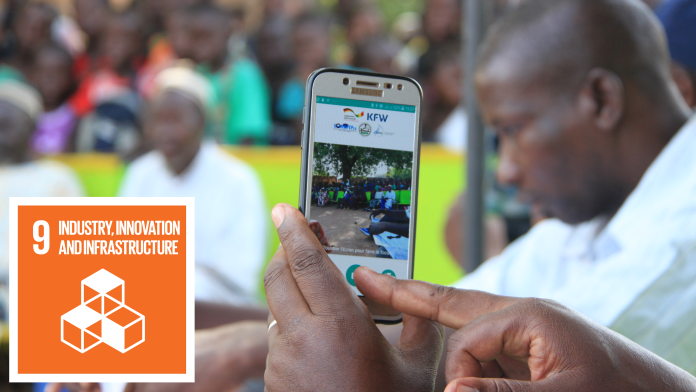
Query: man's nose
(508, 172)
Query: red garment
(99, 86)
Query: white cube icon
(81, 328)
(103, 316)
(103, 291)
(123, 329)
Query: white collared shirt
(599, 270)
(231, 218)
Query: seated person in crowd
(91, 16)
(52, 74)
(679, 20)
(243, 97)
(123, 49)
(389, 198)
(230, 208)
(377, 200)
(343, 203)
(107, 99)
(357, 197)
(311, 44)
(20, 174)
(31, 28)
(323, 197)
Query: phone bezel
(412, 94)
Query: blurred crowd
(94, 63)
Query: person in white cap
(20, 174)
(231, 213)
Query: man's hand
(522, 344)
(325, 338)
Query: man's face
(311, 45)
(33, 26)
(15, 132)
(549, 148)
(179, 36)
(209, 35)
(52, 75)
(175, 127)
(91, 16)
(124, 39)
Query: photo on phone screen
(361, 183)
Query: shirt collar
(666, 188)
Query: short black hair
(208, 8)
(568, 37)
(318, 19)
(51, 11)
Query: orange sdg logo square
(101, 289)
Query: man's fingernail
(278, 215)
(464, 388)
(369, 269)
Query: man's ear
(685, 84)
(602, 98)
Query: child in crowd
(91, 16)
(31, 29)
(311, 43)
(165, 50)
(243, 96)
(51, 73)
(377, 55)
(124, 54)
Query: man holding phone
(593, 128)
(323, 337)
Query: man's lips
(529, 198)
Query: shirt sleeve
(249, 114)
(490, 276)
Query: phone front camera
(346, 81)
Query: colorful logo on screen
(345, 127)
(349, 114)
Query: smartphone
(359, 181)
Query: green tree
(400, 174)
(349, 161)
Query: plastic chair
(404, 198)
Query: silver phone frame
(329, 82)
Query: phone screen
(362, 175)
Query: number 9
(44, 238)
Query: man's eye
(510, 130)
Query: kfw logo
(377, 117)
